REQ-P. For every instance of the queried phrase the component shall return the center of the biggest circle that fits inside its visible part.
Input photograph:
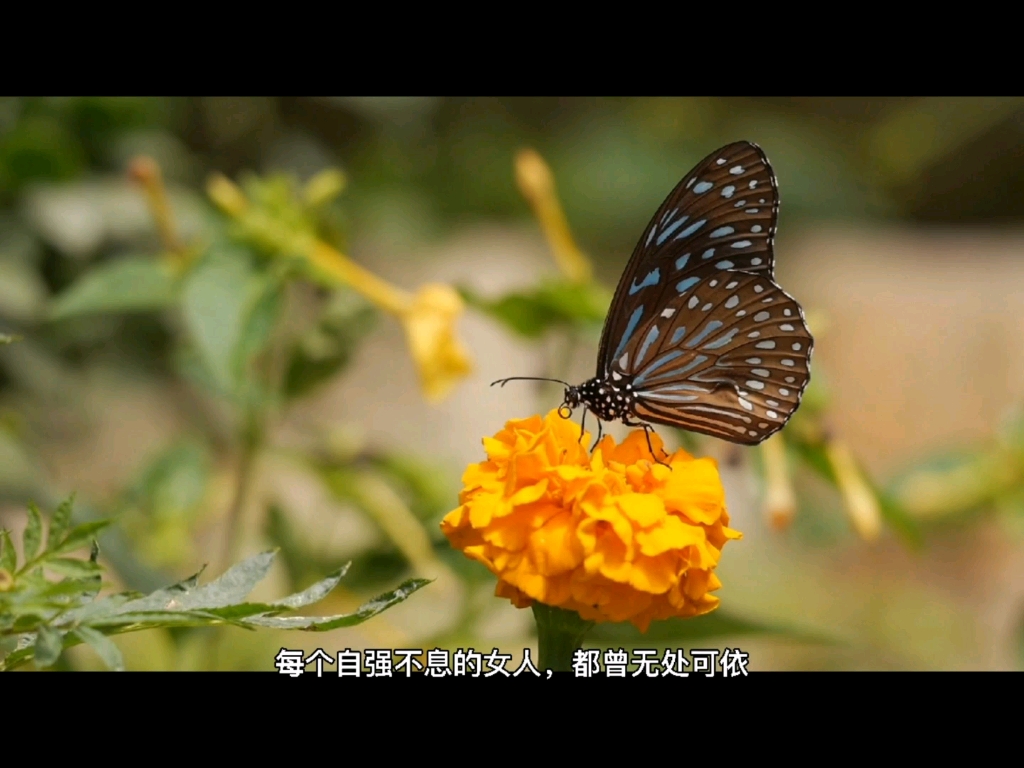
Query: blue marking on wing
(671, 398)
(741, 244)
(653, 278)
(652, 336)
(722, 265)
(680, 332)
(655, 366)
(722, 341)
(676, 387)
(637, 314)
(681, 261)
(722, 232)
(684, 285)
(703, 187)
(708, 253)
(713, 325)
(650, 236)
(669, 230)
(692, 364)
(727, 192)
(691, 229)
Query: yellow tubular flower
(780, 501)
(860, 501)
(537, 185)
(429, 315)
(612, 536)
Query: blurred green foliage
(86, 283)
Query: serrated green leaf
(80, 536)
(33, 536)
(315, 593)
(49, 644)
(67, 566)
(230, 589)
(130, 284)
(109, 653)
(327, 623)
(244, 610)
(71, 587)
(137, 620)
(8, 557)
(105, 606)
(59, 523)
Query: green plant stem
(251, 444)
(560, 634)
(252, 440)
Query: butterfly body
(699, 336)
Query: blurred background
(886, 532)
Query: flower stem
(251, 443)
(560, 634)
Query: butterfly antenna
(503, 382)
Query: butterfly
(699, 336)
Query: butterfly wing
(728, 356)
(722, 215)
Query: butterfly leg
(583, 423)
(647, 434)
(600, 432)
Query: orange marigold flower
(611, 535)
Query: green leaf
(137, 620)
(215, 302)
(67, 566)
(231, 588)
(49, 643)
(8, 557)
(33, 536)
(106, 606)
(7, 338)
(716, 624)
(59, 523)
(175, 481)
(79, 536)
(259, 323)
(328, 348)
(532, 313)
(130, 284)
(324, 624)
(315, 593)
(109, 653)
